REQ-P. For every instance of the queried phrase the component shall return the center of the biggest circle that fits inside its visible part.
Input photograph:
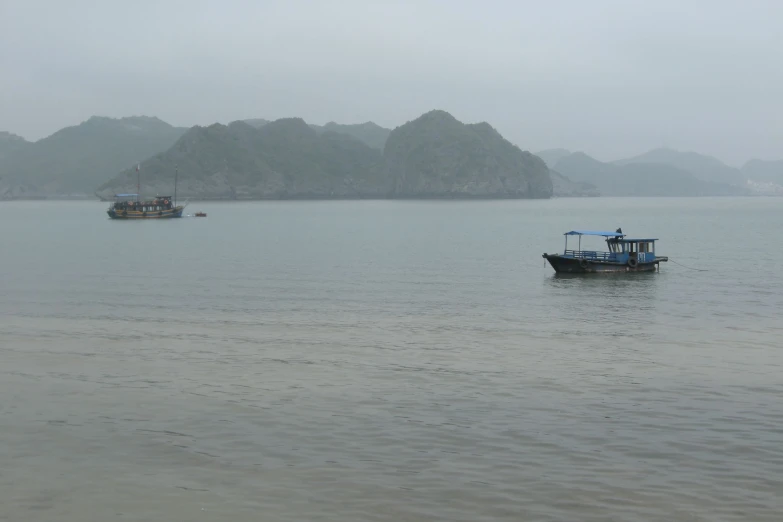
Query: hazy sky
(610, 77)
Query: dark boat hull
(155, 214)
(570, 265)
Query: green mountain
(433, 156)
(74, 160)
(639, 179)
(438, 156)
(705, 168)
(283, 159)
(369, 133)
(257, 122)
(10, 143)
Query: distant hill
(283, 159)
(639, 179)
(369, 133)
(74, 160)
(764, 177)
(256, 122)
(436, 155)
(763, 171)
(705, 168)
(10, 143)
(552, 156)
(564, 187)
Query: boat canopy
(125, 195)
(594, 233)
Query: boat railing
(591, 254)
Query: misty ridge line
(288, 158)
(7, 136)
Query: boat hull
(175, 212)
(571, 265)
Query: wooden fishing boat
(623, 255)
(129, 206)
(132, 206)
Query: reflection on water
(621, 279)
(601, 304)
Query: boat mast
(138, 182)
(176, 174)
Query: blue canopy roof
(124, 195)
(594, 233)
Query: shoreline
(388, 198)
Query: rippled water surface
(389, 361)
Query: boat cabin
(131, 202)
(620, 247)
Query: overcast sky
(612, 78)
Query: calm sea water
(389, 361)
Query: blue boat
(623, 255)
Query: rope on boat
(688, 267)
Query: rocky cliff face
(437, 156)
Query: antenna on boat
(176, 174)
